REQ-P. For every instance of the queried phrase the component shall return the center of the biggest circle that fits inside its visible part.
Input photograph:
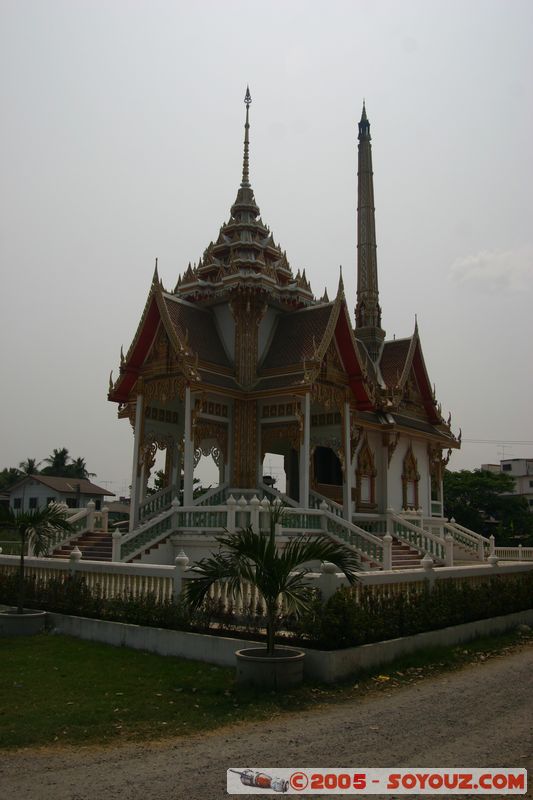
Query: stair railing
(156, 503)
(316, 500)
(419, 539)
(474, 543)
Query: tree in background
(78, 469)
(485, 502)
(57, 462)
(8, 478)
(29, 467)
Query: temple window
(365, 478)
(410, 480)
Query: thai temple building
(241, 359)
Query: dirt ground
(480, 716)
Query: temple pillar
(348, 470)
(188, 451)
(305, 452)
(175, 471)
(143, 482)
(135, 477)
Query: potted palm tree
(247, 557)
(38, 526)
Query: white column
(384, 501)
(176, 465)
(134, 495)
(188, 452)
(305, 450)
(348, 472)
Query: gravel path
(480, 716)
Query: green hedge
(340, 622)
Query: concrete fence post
(328, 581)
(105, 519)
(74, 559)
(231, 504)
(116, 537)
(255, 505)
(492, 546)
(90, 515)
(243, 505)
(448, 549)
(427, 565)
(323, 519)
(181, 562)
(265, 514)
(387, 552)
(520, 552)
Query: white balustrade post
(323, 518)
(116, 536)
(448, 549)
(254, 513)
(175, 506)
(492, 546)
(328, 582)
(181, 562)
(265, 514)
(74, 559)
(427, 565)
(90, 515)
(520, 552)
(389, 521)
(231, 521)
(243, 504)
(387, 552)
(105, 519)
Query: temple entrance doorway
(274, 472)
(327, 473)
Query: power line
(523, 443)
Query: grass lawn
(56, 689)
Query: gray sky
(121, 140)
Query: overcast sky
(121, 140)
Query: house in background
(521, 470)
(37, 491)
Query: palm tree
(30, 466)
(78, 469)
(249, 557)
(57, 462)
(40, 525)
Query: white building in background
(521, 470)
(37, 491)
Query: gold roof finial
(245, 183)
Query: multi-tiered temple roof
(241, 322)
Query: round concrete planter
(27, 624)
(282, 670)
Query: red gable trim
(356, 378)
(130, 369)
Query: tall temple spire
(367, 310)
(245, 208)
(245, 161)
